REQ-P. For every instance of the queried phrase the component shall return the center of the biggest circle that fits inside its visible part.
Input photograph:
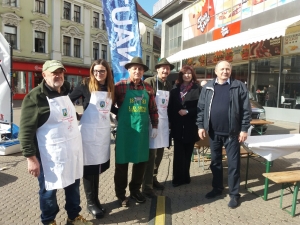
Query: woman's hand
(182, 112)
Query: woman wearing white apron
(97, 93)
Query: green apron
(132, 141)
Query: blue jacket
(239, 110)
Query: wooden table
(261, 123)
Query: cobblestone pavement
(19, 193)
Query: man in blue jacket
(224, 113)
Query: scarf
(185, 89)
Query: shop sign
(291, 43)
(226, 31)
(265, 48)
(212, 59)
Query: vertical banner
(121, 20)
(5, 107)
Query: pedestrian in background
(224, 112)
(51, 142)
(182, 113)
(97, 93)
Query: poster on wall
(195, 62)
(201, 19)
(291, 42)
(212, 59)
(265, 48)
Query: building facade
(72, 31)
(260, 38)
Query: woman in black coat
(182, 113)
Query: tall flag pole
(121, 20)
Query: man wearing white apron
(162, 88)
(51, 142)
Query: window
(96, 20)
(40, 6)
(67, 10)
(39, 42)
(175, 31)
(148, 38)
(103, 22)
(76, 47)
(10, 33)
(77, 13)
(95, 51)
(67, 46)
(104, 52)
(19, 82)
(11, 3)
(148, 60)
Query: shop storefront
(26, 76)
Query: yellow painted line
(160, 210)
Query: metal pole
(11, 95)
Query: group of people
(60, 152)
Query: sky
(147, 5)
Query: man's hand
(201, 133)
(243, 136)
(153, 133)
(33, 166)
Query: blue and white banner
(123, 34)
(5, 102)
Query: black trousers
(232, 147)
(121, 174)
(182, 161)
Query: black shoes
(138, 197)
(149, 194)
(157, 185)
(234, 202)
(95, 211)
(214, 193)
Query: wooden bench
(287, 179)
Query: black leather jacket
(239, 110)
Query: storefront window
(73, 80)
(264, 81)
(290, 82)
(19, 82)
(29, 81)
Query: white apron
(162, 138)
(95, 129)
(60, 145)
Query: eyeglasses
(99, 71)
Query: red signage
(227, 30)
(28, 66)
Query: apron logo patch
(102, 104)
(65, 112)
(163, 101)
(138, 99)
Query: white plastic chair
(285, 103)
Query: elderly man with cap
(162, 88)
(51, 142)
(136, 103)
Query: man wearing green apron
(136, 103)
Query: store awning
(272, 30)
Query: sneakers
(157, 185)
(149, 194)
(234, 202)
(123, 202)
(138, 197)
(79, 220)
(213, 193)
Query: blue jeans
(48, 202)
(232, 147)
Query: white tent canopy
(272, 30)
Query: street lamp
(142, 29)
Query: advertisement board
(265, 48)
(291, 41)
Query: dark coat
(184, 128)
